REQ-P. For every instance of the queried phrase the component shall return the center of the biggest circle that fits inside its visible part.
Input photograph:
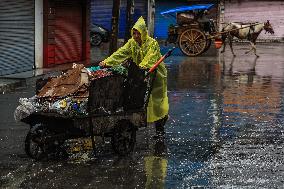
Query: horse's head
(268, 27)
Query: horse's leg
(231, 44)
(224, 42)
(254, 49)
(251, 48)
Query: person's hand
(143, 68)
(102, 64)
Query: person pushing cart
(145, 52)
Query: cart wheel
(192, 42)
(34, 145)
(123, 137)
(37, 148)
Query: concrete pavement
(225, 130)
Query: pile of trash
(66, 94)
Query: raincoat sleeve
(120, 55)
(152, 56)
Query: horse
(249, 31)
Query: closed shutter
(16, 36)
(162, 22)
(258, 11)
(101, 11)
(140, 9)
(68, 31)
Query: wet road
(225, 131)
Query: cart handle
(160, 60)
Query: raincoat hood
(140, 25)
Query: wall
(38, 33)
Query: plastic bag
(27, 107)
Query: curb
(9, 85)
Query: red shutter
(68, 31)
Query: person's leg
(160, 126)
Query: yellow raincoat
(146, 56)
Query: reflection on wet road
(225, 131)
(227, 122)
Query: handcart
(116, 108)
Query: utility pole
(221, 14)
(151, 17)
(129, 19)
(114, 26)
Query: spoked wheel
(192, 42)
(124, 137)
(38, 147)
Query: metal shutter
(161, 22)
(16, 36)
(139, 10)
(101, 13)
(68, 31)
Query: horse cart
(193, 32)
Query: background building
(43, 33)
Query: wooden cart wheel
(192, 42)
(123, 137)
